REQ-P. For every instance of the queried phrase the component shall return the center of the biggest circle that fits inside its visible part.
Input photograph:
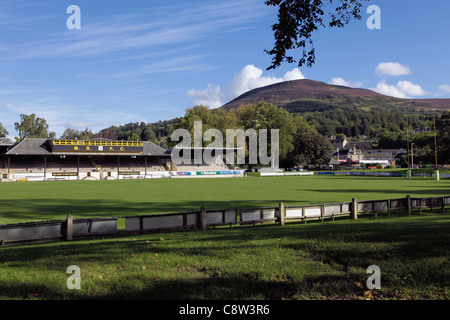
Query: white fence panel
(313, 212)
(293, 213)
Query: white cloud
(212, 96)
(392, 69)
(403, 89)
(410, 89)
(445, 88)
(250, 77)
(339, 81)
(294, 74)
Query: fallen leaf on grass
(368, 294)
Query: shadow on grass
(413, 253)
(51, 209)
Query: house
(360, 145)
(339, 143)
(332, 164)
(389, 155)
(348, 154)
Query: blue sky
(150, 60)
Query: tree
(133, 137)
(210, 119)
(105, 134)
(148, 135)
(252, 116)
(267, 116)
(392, 140)
(31, 126)
(309, 146)
(73, 134)
(299, 19)
(443, 138)
(3, 131)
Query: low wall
(207, 174)
(114, 175)
(277, 174)
(69, 228)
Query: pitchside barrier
(435, 175)
(70, 228)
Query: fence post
(282, 213)
(408, 205)
(69, 228)
(389, 208)
(203, 218)
(354, 213)
(443, 204)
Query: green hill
(309, 96)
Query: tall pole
(407, 140)
(435, 142)
(412, 155)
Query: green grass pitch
(40, 201)
(299, 261)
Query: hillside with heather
(309, 96)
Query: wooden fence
(70, 228)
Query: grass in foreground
(313, 261)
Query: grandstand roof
(35, 146)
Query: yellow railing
(64, 142)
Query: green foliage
(354, 121)
(443, 137)
(139, 131)
(267, 116)
(31, 126)
(298, 140)
(3, 131)
(299, 19)
(310, 148)
(77, 134)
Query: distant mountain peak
(302, 95)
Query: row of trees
(303, 138)
(299, 142)
(32, 126)
(354, 122)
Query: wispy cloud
(179, 64)
(130, 32)
(60, 116)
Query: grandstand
(60, 159)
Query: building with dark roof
(60, 159)
(47, 159)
